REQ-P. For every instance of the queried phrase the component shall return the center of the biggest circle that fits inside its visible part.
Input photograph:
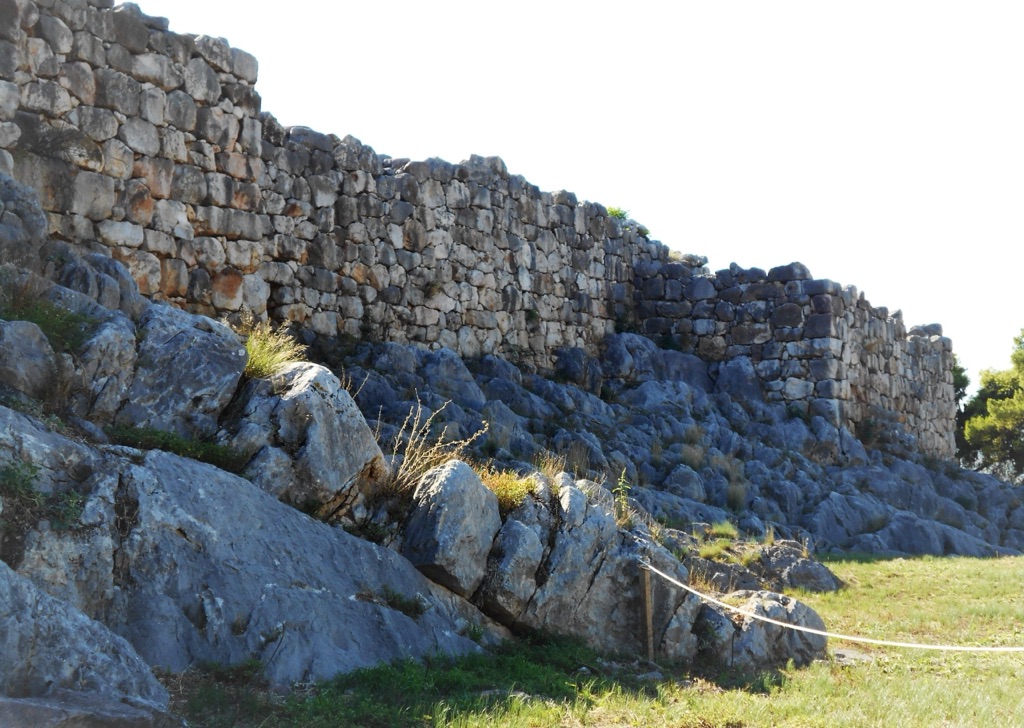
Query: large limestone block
(187, 370)
(452, 526)
(47, 645)
(208, 567)
(756, 644)
(23, 224)
(313, 449)
(447, 375)
(592, 581)
(27, 362)
(63, 708)
(512, 579)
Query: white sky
(881, 143)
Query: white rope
(831, 635)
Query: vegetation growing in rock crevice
(270, 349)
(147, 438)
(24, 506)
(22, 299)
(419, 446)
(511, 488)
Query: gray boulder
(27, 361)
(512, 571)
(48, 645)
(102, 279)
(451, 527)
(636, 358)
(761, 644)
(722, 577)
(193, 564)
(104, 363)
(907, 533)
(839, 517)
(739, 380)
(589, 583)
(312, 448)
(23, 224)
(187, 370)
(752, 644)
(784, 565)
(66, 709)
(447, 376)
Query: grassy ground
(560, 683)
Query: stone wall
(818, 347)
(151, 146)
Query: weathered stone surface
(49, 645)
(201, 81)
(104, 370)
(593, 581)
(63, 708)
(332, 461)
(27, 361)
(105, 281)
(306, 598)
(760, 644)
(450, 529)
(23, 224)
(187, 370)
(512, 581)
(117, 91)
(158, 70)
(785, 565)
(140, 136)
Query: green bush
(618, 212)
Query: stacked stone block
(817, 347)
(151, 147)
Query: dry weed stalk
(417, 450)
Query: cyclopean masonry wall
(150, 146)
(821, 348)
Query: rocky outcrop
(694, 450)
(573, 570)
(190, 563)
(187, 370)
(310, 445)
(750, 643)
(50, 647)
(27, 362)
(450, 528)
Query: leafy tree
(960, 382)
(993, 419)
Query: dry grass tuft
(511, 488)
(418, 449)
(270, 349)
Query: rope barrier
(831, 635)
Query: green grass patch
(147, 438)
(511, 488)
(724, 529)
(24, 506)
(717, 550)
(555, 682)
